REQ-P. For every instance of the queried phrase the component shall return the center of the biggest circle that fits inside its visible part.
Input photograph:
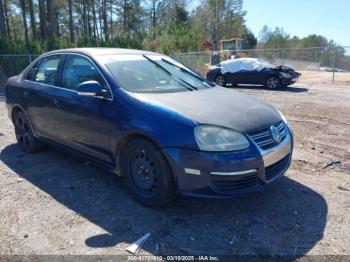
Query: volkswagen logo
(275, 134)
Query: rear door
(231, 70)
(247, 73)
(85, 123)
(39, 90)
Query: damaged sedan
(162, 127)
(252, 71)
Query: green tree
(219, 19)
(3, 31)
(250, 41)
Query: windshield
(152, 74)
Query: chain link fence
(317, 64)
(13, 64)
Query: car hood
(217, 106)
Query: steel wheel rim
(22, 132)
(272, 82)
(144, 174)
(220, 80)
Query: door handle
(56, 103)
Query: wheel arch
(18, 108)
(125, 139)
(272, 74)
(122, 143)
(15, 109)
(224, 76)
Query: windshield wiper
(179, 80)
(189, 72)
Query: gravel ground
(319, 77)
(52, 203)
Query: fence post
(333, 70)
(30, 57)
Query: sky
(301, 17)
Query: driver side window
(77, 70)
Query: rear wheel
(220, 80)
(24, 134)
(146, 173)
(273, 82)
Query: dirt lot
(51, 203)
(318, 77)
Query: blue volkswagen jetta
(154, 121)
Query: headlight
(286, 75)
(283, 117)
(213, 138)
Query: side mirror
(91, 88)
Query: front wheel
(273, 83)
(220, 80)
(147, 175)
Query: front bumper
(225, 175)
(288, 81)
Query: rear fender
(16, 107)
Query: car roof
(97, 51)
(240, 60)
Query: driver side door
(86, 123)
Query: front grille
(277, 168)
(263, 138)
(235, 183)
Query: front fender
(165, 127)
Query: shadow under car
(287, 218)
(292, 89)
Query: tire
(147, 175)
(273, 82)
(220, 80)
(24, 134)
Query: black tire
(220, 80)
(272, 82)
(147, 175)
(24, 134)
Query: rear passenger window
(45, 70)
(32, 72)
(77, 70)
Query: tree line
(166, 26)
(161, 25)
(315, 48)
